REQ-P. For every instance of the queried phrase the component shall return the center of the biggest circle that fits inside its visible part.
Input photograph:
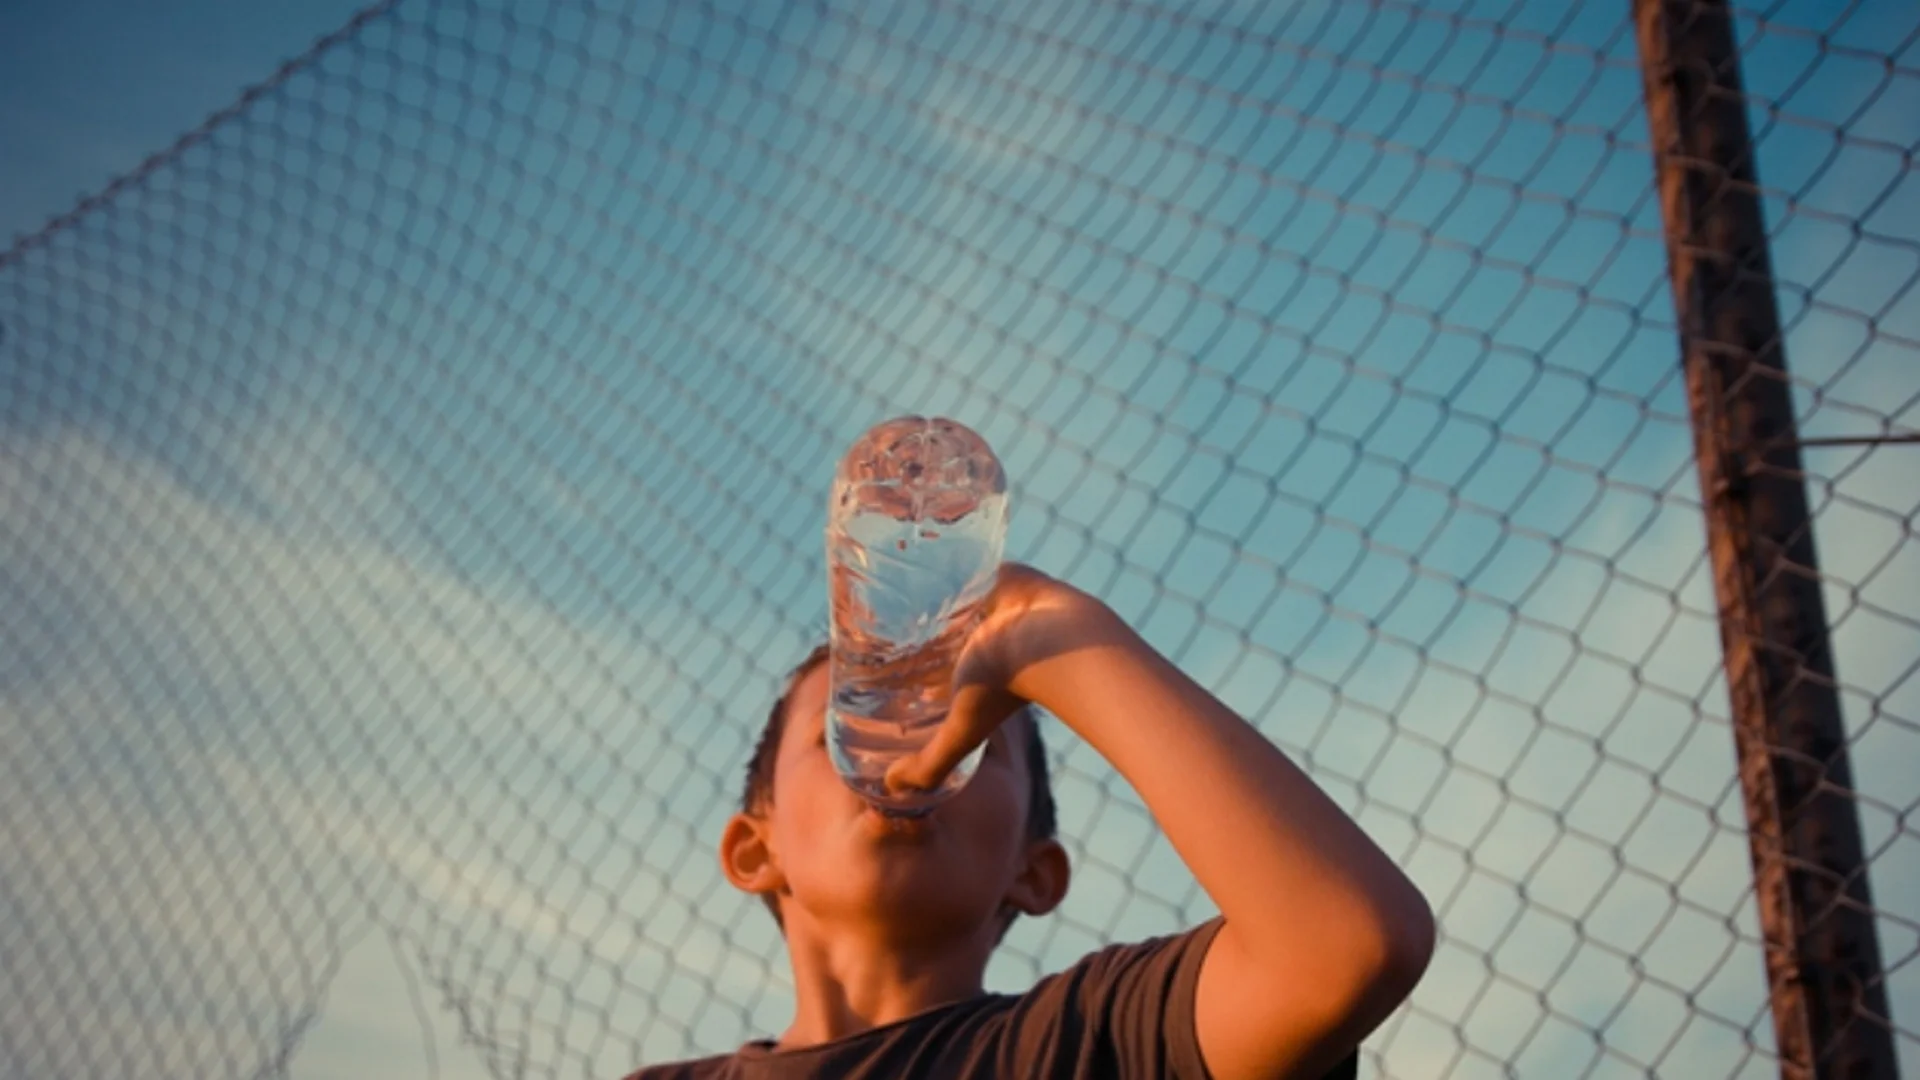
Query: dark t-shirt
(1123, 1012)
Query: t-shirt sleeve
(1126, 1011)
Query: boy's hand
(1321, 936)
(1029, 618)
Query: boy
(889, 923)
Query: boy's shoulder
(1124, 1010)
(1120, 1011)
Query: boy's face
(949, 872)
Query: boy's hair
(1042, 815)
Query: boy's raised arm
(1323, 936)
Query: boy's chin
(905, 867)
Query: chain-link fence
(412, 487)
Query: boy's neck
(846, 983)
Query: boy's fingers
(976, 711)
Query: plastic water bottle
(915, 531)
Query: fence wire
(411, 486)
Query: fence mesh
(411, 490)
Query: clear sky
(88, 89)
(414, 490)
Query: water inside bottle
(913, 545)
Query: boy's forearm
(1298, 882)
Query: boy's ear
(1042, 881)
(747, 858)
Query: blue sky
(415, 488)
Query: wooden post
(1810, 877)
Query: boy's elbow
(1414, 941)
(1259, 1018)
(1404, 939)
(1373, 965)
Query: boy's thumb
(920, 771)
(973, 716)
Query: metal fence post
(1810, 877)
